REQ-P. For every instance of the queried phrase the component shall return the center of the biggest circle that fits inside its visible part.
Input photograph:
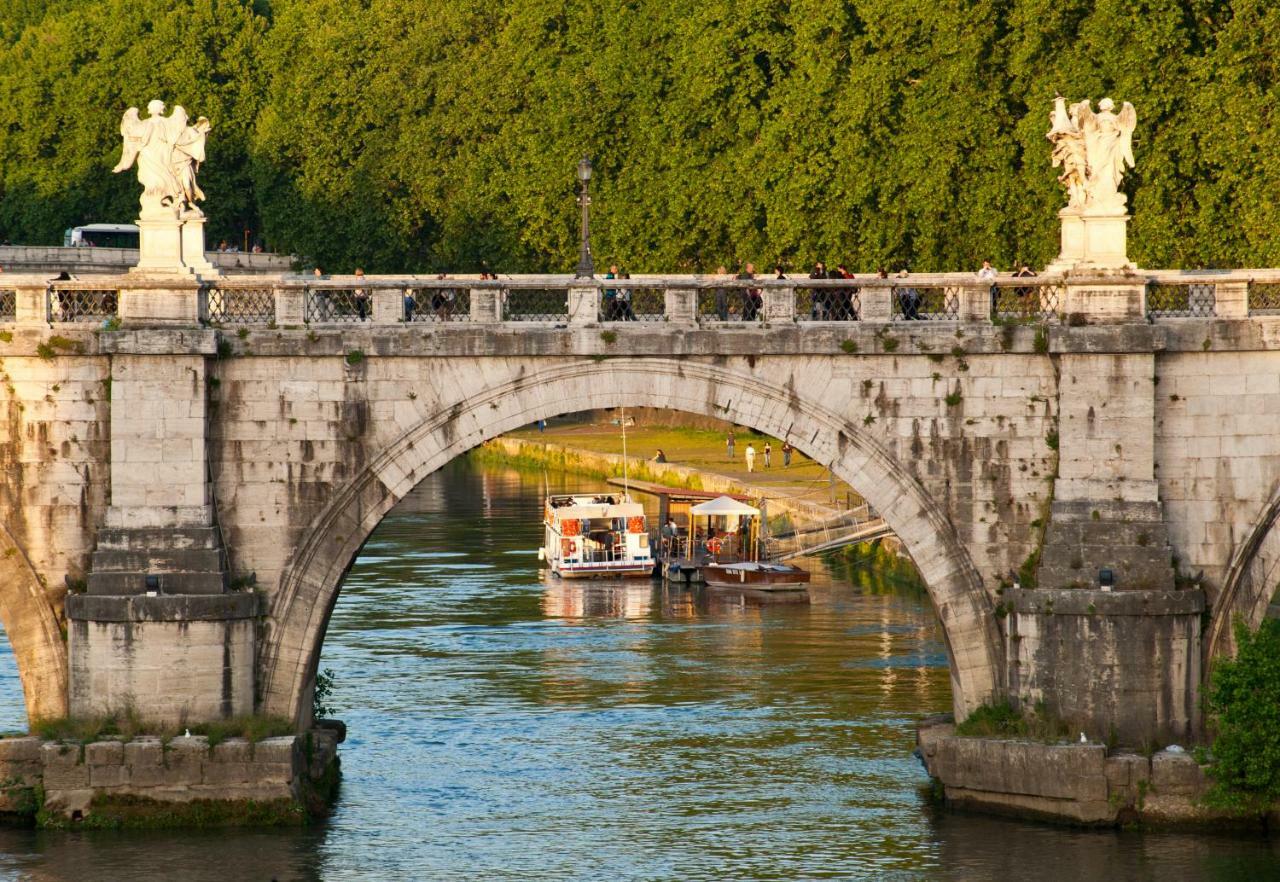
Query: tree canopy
(443, 135)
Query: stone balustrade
(685, 300)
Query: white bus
(101, 236)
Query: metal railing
(535, 305)
(437, 305)
(633, 304)
(237, 305)
(707, 300)
(1264, 298)
(828, 304)
(1174, 300)
(1024, 300)
(925, 304)
(75, 303)
(330, 305)
(730, 304)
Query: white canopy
(723, 505)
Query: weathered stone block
(1057, 771)
(233, 750)
(104, 753)
(63, 767)
(109, 776)
(280, 749)
(1176, 774)
(20, 750)
(272, 773)
(221, 773)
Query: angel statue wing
(132, 142)
(1127, 120)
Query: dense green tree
(443, 135)
(66, 80)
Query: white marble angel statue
(168, 153)
(1094, 151)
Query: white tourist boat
(595, 535)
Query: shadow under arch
(1249, 585)
(309, 583)
(35, 633)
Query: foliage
(1244, 709)
(1002, 720)
(127, 724)
(320, 707)
(443, 136)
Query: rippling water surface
(506, 725)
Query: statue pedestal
(1092, 242)
(160, 248)
(193, 250)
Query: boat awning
(724, 506)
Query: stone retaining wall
(180, 770)
(1073, 783)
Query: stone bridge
(189, 469)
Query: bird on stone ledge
(1083, 740)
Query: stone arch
(35, 632)
(1250, 583)
(311, 577)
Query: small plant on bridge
(953, 399)
(1003, 720)
(609, 337)
(354, 357)
(849, 347)
(1245, 761)
(320, 706)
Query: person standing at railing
(988, 274)
(752, 298)
(908, 299)
(623, 307)
(610, 306)
(842, 299)
(1024, 292)
(442, 301)
(820, 309)
(722, 303)
(361, 296)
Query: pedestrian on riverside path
(728, 444)
(751, 457)
(768, 454)
(786, 454)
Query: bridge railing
(687, 300)
(8, 304)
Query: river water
(504, 725)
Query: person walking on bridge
(768, 454)
(728, 444)
(751, 457)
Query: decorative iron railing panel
(437, 305)
(917, 303)
(1027, 302)
(633, 305)
(828, 304)
(730, 305)
(1264, 298)
(241, 306)
(83, 304)
(8, 304)
(536, 305)
(326, 305)
(1172, 300)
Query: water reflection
(504, 726)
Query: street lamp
(586, 269)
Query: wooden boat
(755, 576)
(601, 535)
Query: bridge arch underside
(313, 574)
(1252, 583)
(35, 633)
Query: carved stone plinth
(160, 249)
(1092, 242)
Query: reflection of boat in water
(755, 576)
(595, 535)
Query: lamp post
(586, 269)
